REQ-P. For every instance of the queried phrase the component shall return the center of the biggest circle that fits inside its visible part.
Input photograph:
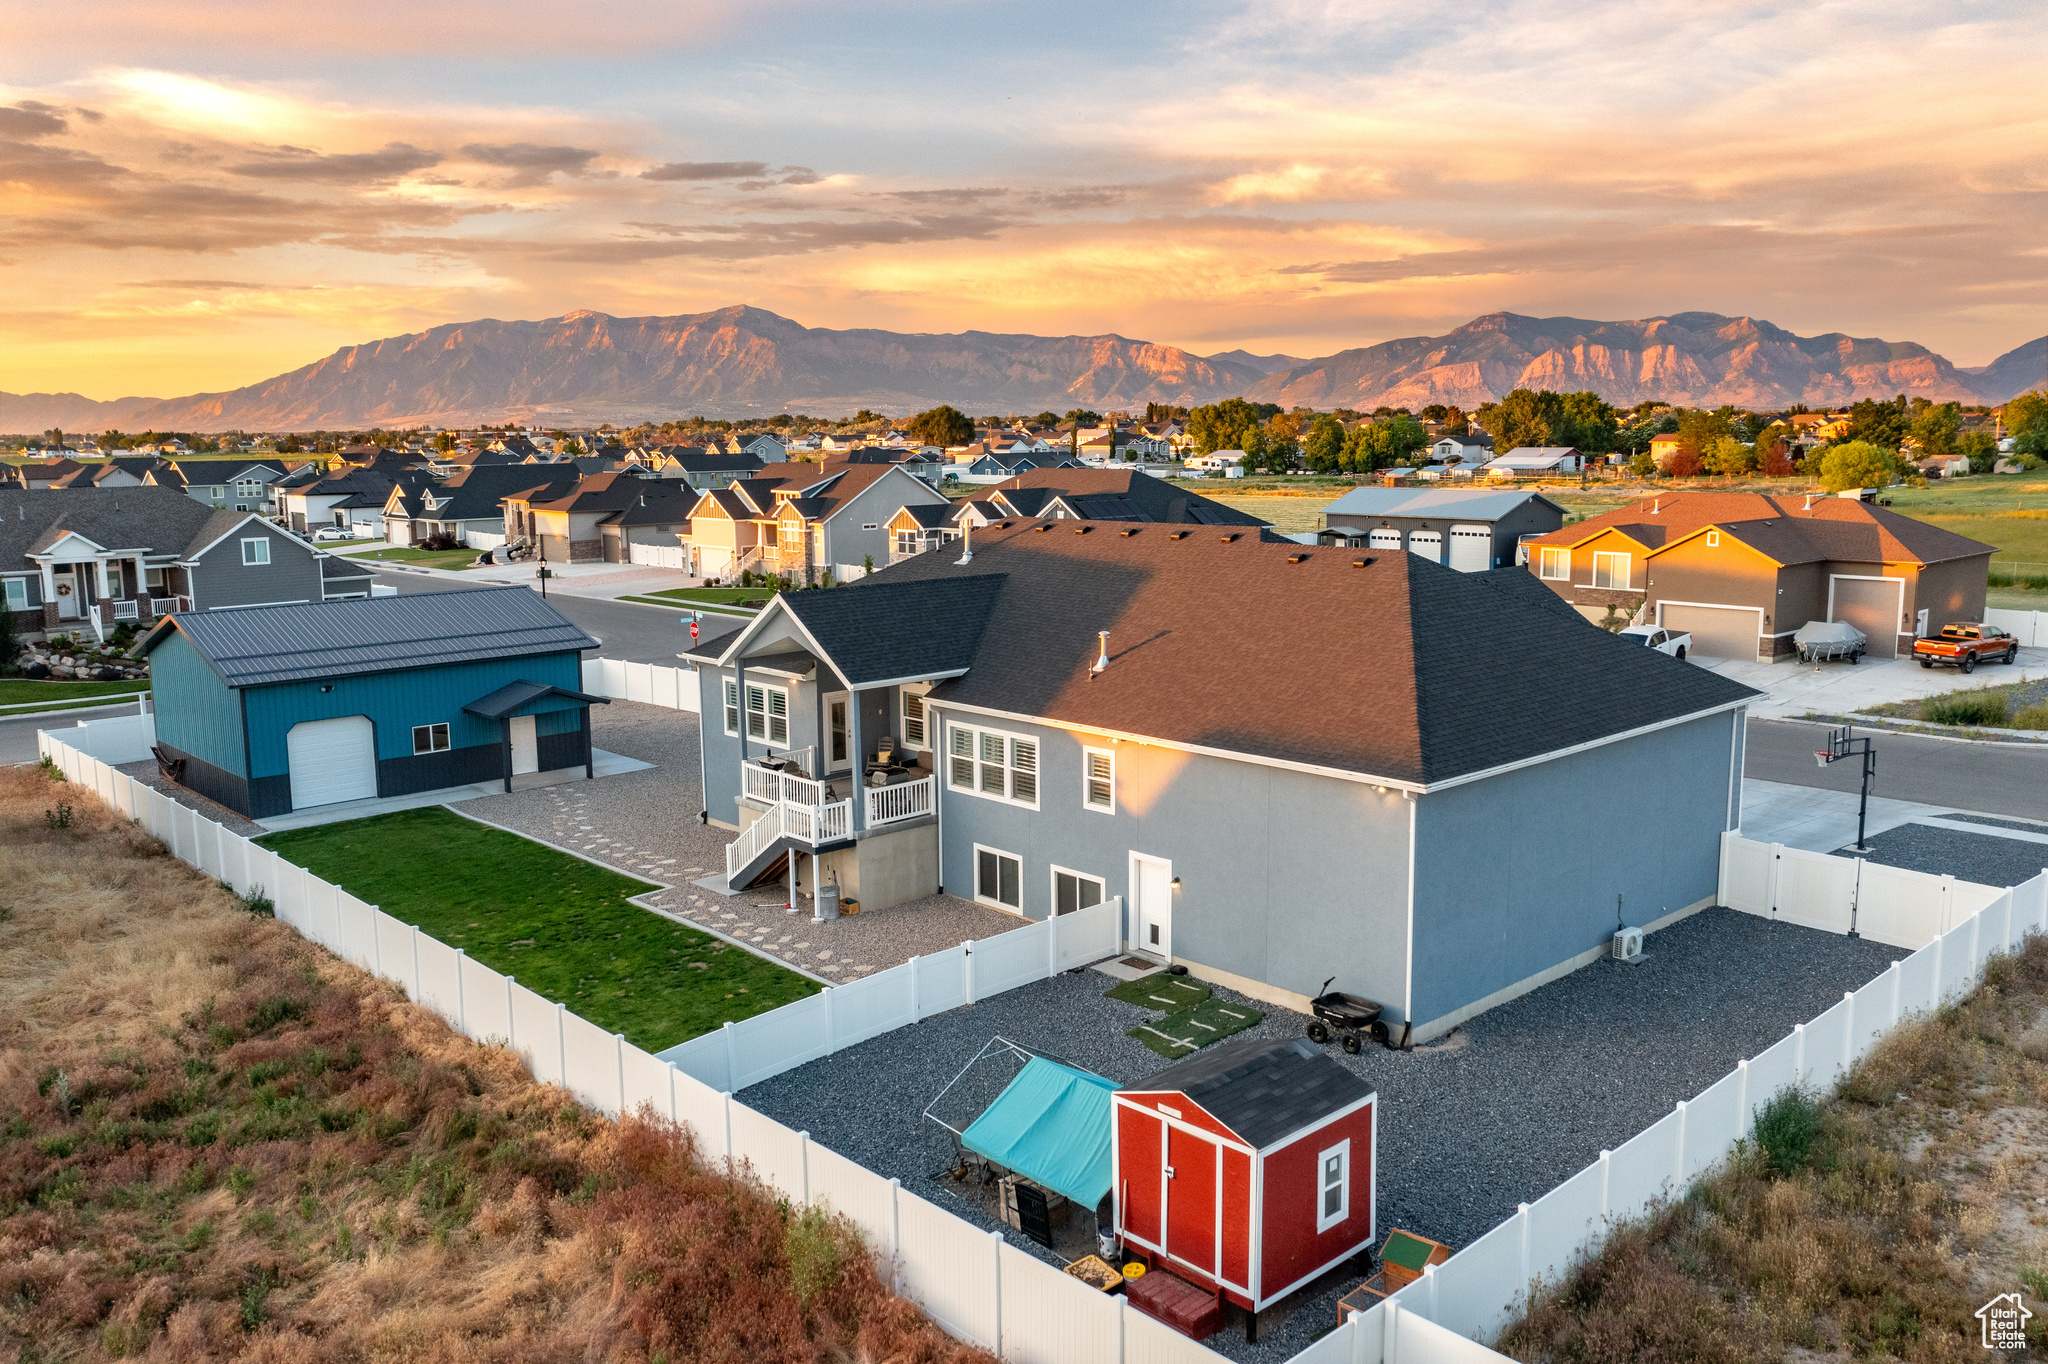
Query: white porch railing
(767, 784)
(125, 609)
(812, 824)
(163, 606)
(911, 799)
(752, 840)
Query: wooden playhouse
(1246, 1169)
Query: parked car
(1965, 644)
(333, 533)
(1674, 642)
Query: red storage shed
(1246, 1168)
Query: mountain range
(587, 367)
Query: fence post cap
(1681, 1106)
(1522, 1208)
(1606, 1155)
(1743, 1064)
(1849, 995)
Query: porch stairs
(783, 828)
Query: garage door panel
(332, 761)
(1872, 606)
(1717, 631)
(1429, 544)
(1471, 549)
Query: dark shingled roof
(264, 644)
(1262, 1091)
(333, 568)
(1525, 587)
(160, 520)
(1419, 674)
(1118, 495)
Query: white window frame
(1612, 556)
(261, 544)
(1088, 780)
(1342, 1152)
(1544, 557)
(1713, 539)
(432, 747)
(844, 733)
(1053, 887)
(995, 900)
(979, 737)
(767, 714)
(17, 594)
(923, 720)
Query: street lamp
(543, 574)
(1840, 746)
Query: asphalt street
(1999, 779)
(629, 631)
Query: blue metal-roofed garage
(272, 710)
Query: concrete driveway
(1793, 689)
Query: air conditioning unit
(1628, 944)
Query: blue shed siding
(204, 717)
(1518, 873)
(395, 702)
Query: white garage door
(1717, 631)
(1427, 543)
(1384, 538)
(332, 761)
(1872, 606)
(1471, 548)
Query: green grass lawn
(725, 600)
(63, 695)
(559, 925)
(425, 558)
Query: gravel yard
(1986, 858)
(150, 775)
(646, 823)
(1497, 1113)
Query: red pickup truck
(1965, 644)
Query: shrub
(440, 539)
(2030, 717)
(1787, 1130)
(1965, 708)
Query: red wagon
(1246, 1169)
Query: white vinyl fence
(1890, 905)
(115, 739)
(660, 556)
(675, 688)
(2030, 628)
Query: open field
(559, 925)
(218, 1142)
(1870, 1225)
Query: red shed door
(1191, 1199)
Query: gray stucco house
(1289, 760)
(1469, 529)
(92, 558)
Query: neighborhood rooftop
(1786, 529)
(1260, 1090)
(270, 644)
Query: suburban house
(1741, 572)
(802, 520)
(1473, 448)
(228, 483)
(1469, 529)
(659, 516)
(469, 504)
(122, 471)
(701, 468)
(41, 473)
(1124, 494)
(279, 709)
(997, 728)
(91, 558)
(923, 527)
(352, 499)
(1533, 461)
(564, 524)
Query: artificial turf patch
(1161, 991)
(1179, 1034)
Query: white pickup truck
(1673, 642)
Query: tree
(864, 415)
(1856, 464)
(1435, 412)
(1776, 460)
(1686, 463)
(1164, 412)
(1642, 464)
(1590, 424)
(941, 426)
(1935, 426)
(54, 436)
(1222, 426)
(572, 447)
(1373, 446)
(444, 440)
(1879, 423)
(1456, 423)
(1537, 417)
(1323, 449)
(1982, 450)
(1730, 457)
(2026, 418)
(1042, 419)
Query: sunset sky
(198, 196)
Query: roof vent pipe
(1656, 506)
(1102, 655)
(966, 541)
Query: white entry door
(1152, 914)
(332, 761)
(525, 747)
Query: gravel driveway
(1986, 858)
(1497, 1113)
(646, 823)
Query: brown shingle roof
(1787, 529)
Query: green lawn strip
(559, 925)
(1161, 991)
(708, 607)
(425, 558)
(1190, 1030)
(22, 690)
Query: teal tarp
(1051, 1125)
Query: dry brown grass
(219, 1142)
(1922, 1199)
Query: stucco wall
(1506, 889)
(1286, 878)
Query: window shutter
(913, 720)
(963, 757)
(778, 718)
(1024, 779)
(1101, 780)
(992, 771)
(732, 707)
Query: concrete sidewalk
(1793, 689)
(1818, 820)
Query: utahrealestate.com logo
(2005, 1321)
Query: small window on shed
(1333, 1186)
(429, 739)
(255, 553)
